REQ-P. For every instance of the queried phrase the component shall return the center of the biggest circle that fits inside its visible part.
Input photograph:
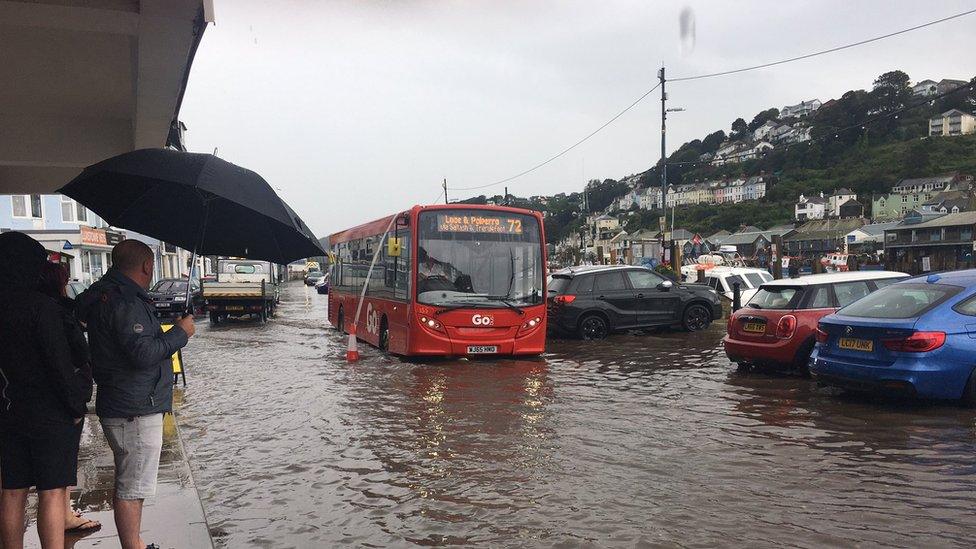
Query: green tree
(763, 117)
(712, 142)
(739, 128)
(916, 160)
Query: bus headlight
(530, 325)
(431, 324)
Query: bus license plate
(234, 308)
(482, 349)
(755, 327)
(852, 344)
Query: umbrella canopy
(197, 202)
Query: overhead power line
(711, 75)
(823, 52)
(564, 151)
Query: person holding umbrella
(130, 357)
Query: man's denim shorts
(136, 443)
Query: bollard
(736, 297)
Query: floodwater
(641, 440)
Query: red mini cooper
(777, 327)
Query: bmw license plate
(853, 344)
(482, 349)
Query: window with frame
(643, 280)
(609, 282)
(27, 206)
(72, 211)
(849, 292)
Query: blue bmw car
(915, 338)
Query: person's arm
(136, 333)
(56, 358)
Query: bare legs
(128, 521)
(50, 517)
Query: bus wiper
(456, 307)
(503, 299)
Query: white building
(839, 197)
(808, 208)
(650, 199)
(953, 122)
(762, 132)
(629, 200)
(754, 188)
(801, 109)
(925, 88)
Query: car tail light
(821, 335)
(564, 299)
(432, 324)
(530, 325)
(786, 327)
(919, 342)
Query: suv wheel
(593, 327)
(696, 317)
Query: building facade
(952, 122)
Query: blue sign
(67, 246)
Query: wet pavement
(174, 518)
(641, 440)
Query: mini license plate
(853, 344)
(482, 349)
(162, 305)
(234, 308)
(754, 327)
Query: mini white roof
(833, 278)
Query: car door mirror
(665, 286)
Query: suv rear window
(609, 282)
(774, 297)
(901, 301)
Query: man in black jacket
(43, 397)
(130, 356)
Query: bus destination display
(457, 223)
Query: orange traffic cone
(352, 351)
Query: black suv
(594, 301)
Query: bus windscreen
(478, 258)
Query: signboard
(926, 264)
(466, 223)
(93, 237)
(786, 262)
(113, 237)
(67, 246)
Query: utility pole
(664, 165)
(445, 191)
(506, 196)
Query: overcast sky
(354, 110)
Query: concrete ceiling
(83, 80)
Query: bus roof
(377, 226)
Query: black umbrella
(197, 202)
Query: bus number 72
(515, 226)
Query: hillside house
(912, 194)
(801, 109)
(952, 122)
(850, 208)
(839, 197)
(925, 88)
(821, 236)
(807, 208)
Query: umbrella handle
(193, 259)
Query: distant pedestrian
(43, 398)
(54, 281)
(132, 368)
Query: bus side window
(401, 289)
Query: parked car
(594, 301)
(322, 286)
(74, 288)
(169, 297)
(313, 277)
(777, 327)
(915, 338)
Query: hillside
(865, 140)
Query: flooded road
(649, 440)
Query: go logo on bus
(482, 320)
(372, 320)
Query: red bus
(450, 280)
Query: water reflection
(640, 440)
